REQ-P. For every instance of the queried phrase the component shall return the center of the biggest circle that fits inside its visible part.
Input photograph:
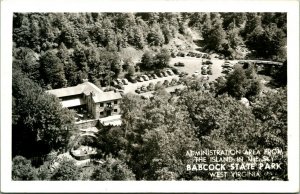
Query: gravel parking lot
(131, 87)
(193, 64)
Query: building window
(115, 102)
(115, 110)
(101, 104)
(101, 113)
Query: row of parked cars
(118, 83)
(194, 54)
(206, 69)
(148, 77)
(227, 67)
(151, 86)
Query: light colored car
(140, 79)
(145, 77)
(195, 74)
(125, 81)
(119, 81)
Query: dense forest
(61, 49)
(55, 50)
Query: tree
(22, 169)
(281, 75)
(147, 60)
(237, 83)
(271, 109)
(268, 42)
(214, 35)
(52, 70)
(67, 170)
(131, 71)
(27, 60)
(40, 124)
(155, 36)
(112, 169)
(162, 59)
(233, 36)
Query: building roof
(85, 88)
(73, 102)
(107, 96)
(70, 91)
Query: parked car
(140, 79)
(206, 86)
(182, 74)
(150, 87)
(195, 74)
(209, 72)
(121, 92)
(205, 77)
(170, 72)
(154, 76)
(120, 86)
(144, 88)
(173, 82)
(175, 71)
(204, 72)
(226, 64)
(179, 64)
(164, 74)
(225, 71)
(138, 90)
(204, 67)
(208, 62)
(125, 81)
(150, 77)
(145, 77)
(180, 54)
(160, 74)
(166, 83)
(119, 81)
(114, 83)
(132, 79)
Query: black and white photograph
(151, 96)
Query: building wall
(87, 124)
(102, 108)
(91, 106)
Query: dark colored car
(154, 76)
(120, 86)
(179, 64)
(138, 90)
(204, 72)
(208, 62)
